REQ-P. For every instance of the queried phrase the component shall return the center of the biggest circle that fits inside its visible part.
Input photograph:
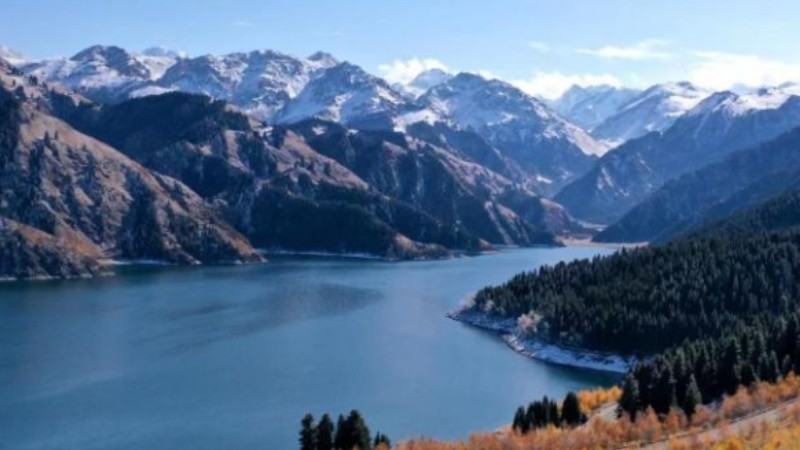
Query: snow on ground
(530, 346)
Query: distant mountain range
(282, 89)
(742, 180)
(718, 126)
(263, 150)
(590, 106)
(186, 179)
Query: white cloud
(242, 24)
(551, 85)
(720, 70)
(404, 71)
(539, 46)
(649, 49)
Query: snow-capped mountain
(260, 82)
(283, 89)
(347, 94)
(723, 189)
(655, 109)
(521, 126)
(589, 106)
(103, 73)
(721, 124)
(158, 60)
(12, 57)
(730, 104)
(426, 80)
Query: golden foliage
(725, 427)
(594, 399)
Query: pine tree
(325, 433)
(730, 369)
(555, 419)
(786, 365)
(358, 433)
(340, 440)
(520, 423)
(571, 410)
(747, 374)
(546, 419)
(530, 417)
(664, 395)
(382, 439)
(692, 398)
(771, 371)
(308, 433)
(629, 402)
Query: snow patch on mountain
(260, 82)
(733, 104)
(12, 57)
(496, 108)
(426, 80)
(655, 109)
(342, 94)
(589, 106)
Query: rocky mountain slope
(282, 89)
(720, 125)
(387, 180)
(267, 183)
(776, 214)
(102, 73)
(551, 150)
(94, 200)
(435, 180)
(260, 82)
(346, 94)
(28, 253)
(741, 180)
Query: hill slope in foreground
(766, 416)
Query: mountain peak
(733, 104)
(12, 57)
(114, 58)
(589, 106)
(674, 87)
(323, 57)
(654, 109)
(99, 52)
(429, 78)
(163, 52)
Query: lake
(232, 357)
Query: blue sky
(542, 46)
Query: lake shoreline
(538, 349)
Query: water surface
(232, 357)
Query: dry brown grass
(719, 428)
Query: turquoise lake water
(232, 357)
